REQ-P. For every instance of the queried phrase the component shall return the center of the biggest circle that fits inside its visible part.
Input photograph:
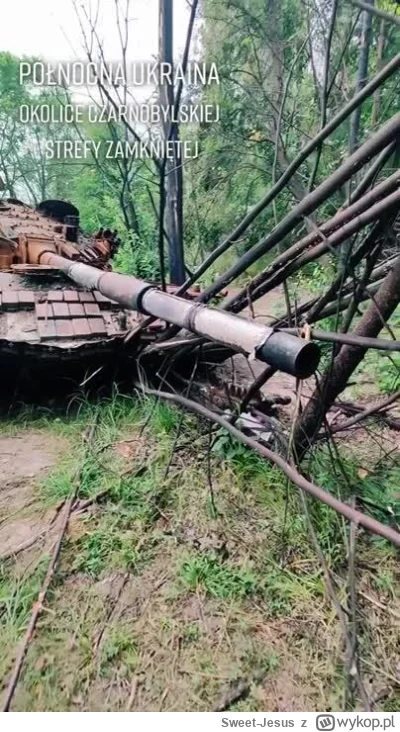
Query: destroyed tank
(60, 302)
(43, 315)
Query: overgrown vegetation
(230, 594)
(192, 563)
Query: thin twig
(377, 11)
(381, 606)
(132, 695)
(352, 660)
(379, 344)
(238, 690)
(344, 509)
(38, 606)
(335, 602)
(375, 409)
(110, 613)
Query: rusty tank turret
(43, 315)
(59, 301)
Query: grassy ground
(190, 574)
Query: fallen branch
(366, 413)
(348, 512)
(314, 308)
(376, 11)
(350, 410)
(238, 690)
(329, 585)
(39, 604)
(372, 172)
(336, 222)
(132, 695)
(263, 283)
(25, 545)
(343, 303)
(110, 613)
(353, 660)
(29, 543)
(257, 384)
(305, 207)
(312, 145)
(380, 344)
(385, 607)
(346, 361)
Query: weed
(217, 579)
(190, 633)
(164, 418)
(286, 592)
(392, 704)
(246, 463)
(119, 648)
(385, 581)
(377, 491)
(17, 596)
(315, 277)
(135, 257)
(388, 372)
(106, 547)
(262, 607)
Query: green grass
(377, 489)
(211, 595)
(105, 548)
(17, 595)
(386, 369)
(218, 580)
(119, 650)
(378, 368)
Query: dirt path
(26, 458)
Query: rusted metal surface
(47, 310)
(42, 315)
(33, 313)
(40, 312)
(26, 232)
(288, 353)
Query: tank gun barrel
(284, 352)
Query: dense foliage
(283, 71)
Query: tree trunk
(173, 168)
(355, 119)
(362, 75)
(380, 53)
(349, 357)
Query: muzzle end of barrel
(290, 354)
